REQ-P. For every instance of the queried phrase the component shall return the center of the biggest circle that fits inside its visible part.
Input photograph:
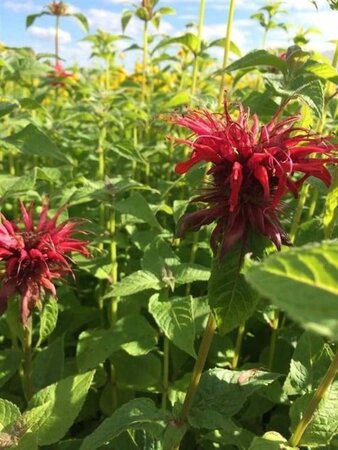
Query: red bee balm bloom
(252, 168)
(35, 255)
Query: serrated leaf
(65, 400)
(32, 141)
(308, 365)
(181, 98)
(125, 19)
(140, 413)
(7, 106)
(10, 361)
(313, 94)
(270, 441)
(322, 70)
(132, 333)
(137, 206)
(174, 316)
(8, 413)
(230, 297)
(47, 366)
(82, 19)
(188, 273)
(304, 283)
(222, 393)
(324, 422)
(138, 281)
(257, 58)
(48, 319)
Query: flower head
(34, 255)
(58, 75)
(252, 167)
(58, 8)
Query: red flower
(35, 255)
(58, 8)
(252, 168)
(58, 74)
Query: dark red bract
(35, 255)
(252, 167)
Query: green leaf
(136, 282)
(139, 373)
(175, 318)
(28, 442)
(322, 70)
(257, 58)
(142, 13)
(33, 141)
(48, 319)
(8, 413)
(304, 283)
(125, 19)
(230, 297)
(140, 413)
(181, 98)
(166, 10)
(64, 400)
(222, 393)
(10, 361)
(47, 366)
(188, 273)
(7, 106)
(32, 17)
(132, 333)
(308, 365)
(232, 434)
(138, 207)
(82, 19)
(324, 422)
(313, 94)
(270, 441)
(331, 207)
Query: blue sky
(105, 14)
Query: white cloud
(78, 53)
(28, 6)
(240, 33)
(49, 33)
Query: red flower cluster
(56, 77)
(35, 255)
(252, 168)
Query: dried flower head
(34, 255)
(252, 167)
(58, 8)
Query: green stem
(299, 210)
(145, 61)
(112, 314)
(56, 38)
(165, 375)
(313, 203)
(314, 402)
(198, 368)
(265, 34)
(273, 339)
(226, 50)
(198, 46)
(238, 346)
(27, 360)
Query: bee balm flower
(252, 167)
(34, 255)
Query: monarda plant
(251, 167)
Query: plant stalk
(198, 49)
(165, 375)
(56, 38)
(238, 346)
(314, 402)
(198, 368)
(114, 269)
(27, 360)
(145, 61)
(273, 339)
(226, 50)
(299, 210)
